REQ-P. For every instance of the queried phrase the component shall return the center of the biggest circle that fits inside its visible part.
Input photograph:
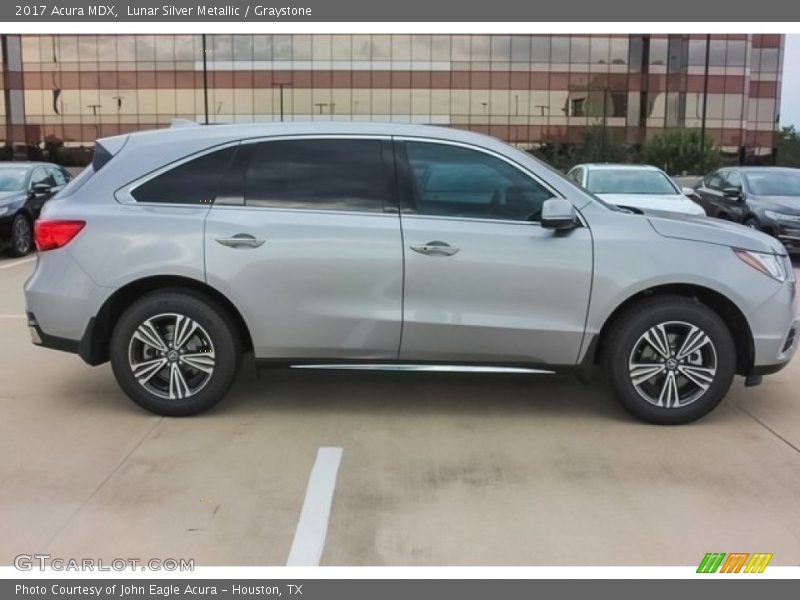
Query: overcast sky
(790, 93)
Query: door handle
(435, 248)
(240, 240)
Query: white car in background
(635, 187)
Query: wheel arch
(727, 310)
(94, 347)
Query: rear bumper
(61, 304)
(45, 340)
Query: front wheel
(175, 353)
(671, 359)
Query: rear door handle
(241, 240)
(435, 248)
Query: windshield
(774, 184)
(12, 178)
(629, 181)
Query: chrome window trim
(123, 195)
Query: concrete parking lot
(436, 469)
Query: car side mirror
(687, 191)
(558, 214)
(732, 193)
(38, 189)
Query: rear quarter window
(195, 181)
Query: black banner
(407, 11)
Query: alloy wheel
(672, 364)
(171, 356)
(23, 239)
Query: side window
(59, 179)
(332, 174)
(715, 181)
(576, 175)
(193, 182)
(459, 182)
(733, 180)
(40, 175)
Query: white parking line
(16, 263)
(309, 537)
(20, 316)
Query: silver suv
(367, 244)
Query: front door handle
(435, 248)
(240, 240)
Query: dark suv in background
(24, 188)
(764, 198)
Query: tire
(194, 336)
(21, 236)
(669, 397)
(752, 223)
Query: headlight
(771, 265)
(776, 216)
(3, 210)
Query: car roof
(617, 166)
(766, 169)
(191, 131)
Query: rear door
(304, 238)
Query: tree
(601, 144)
(789, 147)
(682, 151)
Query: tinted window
(59, 177)
(576, 175)
(193, 182)
(733, 180)
(40, 175)
(459, 182)
(715, 181)
(328, 174)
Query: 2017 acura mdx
(356, 244)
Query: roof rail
(183, 123)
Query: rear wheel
(21, 236)
(175, 353)
(671, 359)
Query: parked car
(637, 188)
(24, 188)
(764, 198)
(384, 245)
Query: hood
(715, 231)
(676, 203)
(785, 204)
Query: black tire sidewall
(637, 322)
(211, 318)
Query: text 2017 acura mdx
(365, 243)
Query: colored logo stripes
(735, 562)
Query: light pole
(281, 86)
(205, 78)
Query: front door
(484, 282)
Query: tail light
(52, 234)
